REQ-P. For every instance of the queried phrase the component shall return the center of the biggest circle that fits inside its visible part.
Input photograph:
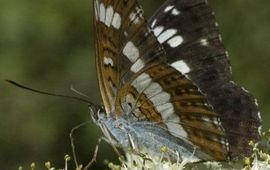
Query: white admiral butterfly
(167, 82)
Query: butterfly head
(97, 113)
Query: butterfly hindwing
(161, 94)
(189, 33)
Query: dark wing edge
(189, 33)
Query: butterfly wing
(160, 93)
(118, 22)
(196, 43)
(136, 79)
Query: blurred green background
(49, 45)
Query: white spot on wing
(175, 127)
(125, 34)
(217, 121)
(166, 35)
(132, 16)
(175, 41)
(245, 90)
(166, 110)
(219, 37)
(135, 16)
(158, 30)
(137, 66)
(152, 89)
(259, 115)
(109, 16)
(97, 10)
(154, 23)
(142, 81)
(175, 12)
(260, 129)
(181, 66)
(256, 102)
(108, 61)
(204, 42)
(102, 13)
(131, 51)
(162, 97)
(206, 119)
(168, 8)
(223, 142)
(116, 21)
(137, 20)
(129, 99)
(233, 82)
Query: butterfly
(168, 82)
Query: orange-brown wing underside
(122, 44)
(160, 93)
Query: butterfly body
(147, 138)
(167, 82)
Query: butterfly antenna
(78, 92)
(51, 94)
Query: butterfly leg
(93, 159)
(95, 154)
(109, 140)
(72, 141)
(135, 150)
(96, 148)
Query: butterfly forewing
(122, 38)
(189, 33)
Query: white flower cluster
(259, 160)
